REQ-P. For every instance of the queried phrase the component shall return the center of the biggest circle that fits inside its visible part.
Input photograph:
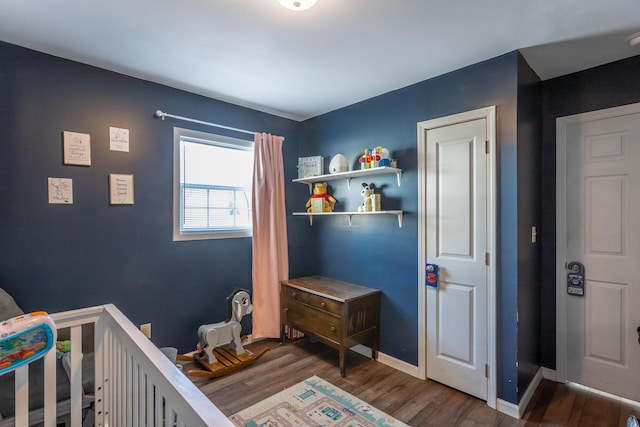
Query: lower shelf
(350, 214)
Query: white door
(456, 240)
(603, 233)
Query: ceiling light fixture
(634, 39)
(297, 5)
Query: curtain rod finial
(160, 114)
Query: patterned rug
(312, 403)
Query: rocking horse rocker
(219, 348)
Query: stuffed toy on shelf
(366, 192)
(320, 201)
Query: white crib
(135, 383)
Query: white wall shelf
(399, 214)
(349, 175)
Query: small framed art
(118, 139)
(77, 148)
(310, 166)
(120, 189)
(60, 191)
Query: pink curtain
(270, 250)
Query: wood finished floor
(415, 402)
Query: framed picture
(118, 139)
(60, 191)
(317, 205)
(310, 166)
(120, 189)
(77, 148)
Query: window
(212, 177)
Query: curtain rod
(162, 115)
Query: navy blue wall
(529, 206)
(58, 257)
(374, 251)
(602, 87)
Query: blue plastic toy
(25, 338)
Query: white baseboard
(528, 394)
(508, 408)
(549, 374)
(399, 365)
(385, 359)
(516, 411)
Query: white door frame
(561, 222)
(489, 114)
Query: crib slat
(22, 396)
(136, 395)
(50, 389)
(149, 400)
(120, 393)
(159, 404)
(76, 376)
(99, 372)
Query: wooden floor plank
(559, 407)
(411, 400)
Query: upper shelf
(351, 174)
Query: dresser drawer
(312, 321)
(316, 301)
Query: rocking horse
(219, 348)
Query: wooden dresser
(339, 314)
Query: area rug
(311, 403)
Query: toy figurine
(219, 349)
(366, 192)
(227, 332)
(320, 201)
(365, 160)
(385, 159)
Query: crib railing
(135, 383)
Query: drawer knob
(332, 329)
(293, 294)
(286, 309)
(323, 304)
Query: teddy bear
(366, 192)
(320, 201)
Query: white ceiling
(298, 65)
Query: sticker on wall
(120, 189)
(61, 191)
(77, 148)
(119, 139)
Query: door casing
(562, 123)
(489, 114)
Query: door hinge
(486, 258)
(486, 371)
(486, 147)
